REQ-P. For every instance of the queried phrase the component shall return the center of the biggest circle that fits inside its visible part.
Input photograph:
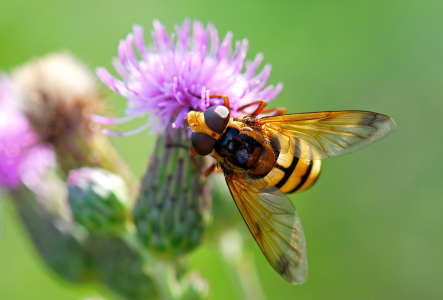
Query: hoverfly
(264, 158)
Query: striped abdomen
(299, 175)
(291, 174)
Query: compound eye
(217, 118)
(202, 143)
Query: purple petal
(180, 75)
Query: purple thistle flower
(180, 72)
(21, 158)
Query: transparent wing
(275, 225)
(320, 135)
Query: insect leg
(261, 108)
(193, 153)
(278, 111)
(170, 145)
(225, 98)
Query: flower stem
(57, 239)
(162, 272)
(167, 284)
(240, 264)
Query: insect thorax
(243, 148)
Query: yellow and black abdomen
(292, 174)
(296, 174)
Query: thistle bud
(173, 208)
(99, 201)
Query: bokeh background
(373, 221)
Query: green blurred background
(373, 222)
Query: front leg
(261, 108)
(193, 153)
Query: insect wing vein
(275, 225)
(327, 134)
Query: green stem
(169, 288)
(240, 264)
(57, 239)
(162, 272)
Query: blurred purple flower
(21, 159)
(174, 77)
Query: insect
(264, 158)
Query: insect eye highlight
(217, 118)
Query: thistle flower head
(179, 72)
(58, 95)
(21, 157)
